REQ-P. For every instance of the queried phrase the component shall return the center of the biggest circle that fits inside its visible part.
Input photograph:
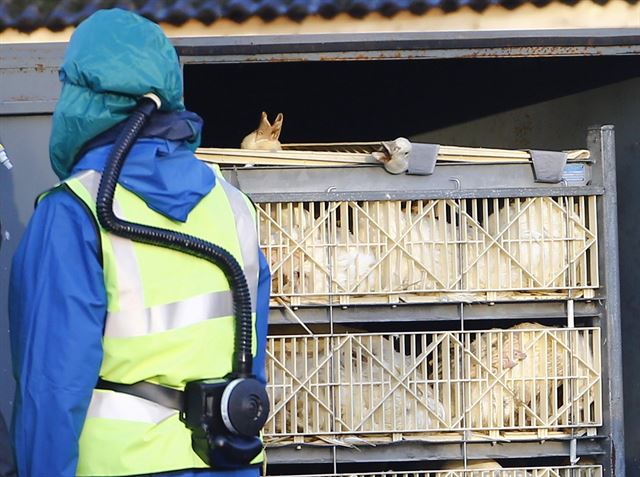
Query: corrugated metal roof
(28, 15)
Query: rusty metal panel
(28, 72)
(29, 77)
(368, 46)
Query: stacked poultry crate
(436, 319)
(562, 471)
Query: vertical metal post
(601, 143)
(573, 445)
(466, 433)
(330, 256)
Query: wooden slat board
(341, 154)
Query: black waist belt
(167, 397)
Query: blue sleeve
(57, 308)
(262, 317)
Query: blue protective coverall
(58, 304)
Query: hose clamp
(155, 98)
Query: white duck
(394, 155)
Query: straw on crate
(359, 153)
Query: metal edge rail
(601, 143)
(430, 312)
(280, 184)
(415, 451)
(40, 61)
(339, 196)
(412, 45)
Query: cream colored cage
(431, 250)
(527, 381)
(573, 471)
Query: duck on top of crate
(394, 155)
(266, 136)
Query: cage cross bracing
(563, 471)
(346, 388)
(431, 250)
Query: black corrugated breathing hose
(175, 240)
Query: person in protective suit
(86, 304)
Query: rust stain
(507, 51)
(546, 51)
(398, 55)
(22, 98)
(487, 52)
(38, 68)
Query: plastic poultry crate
(526, 381)
(350, 252)
(572, 471)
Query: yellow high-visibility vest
(169, 321)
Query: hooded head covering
(114, 57)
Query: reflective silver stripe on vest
(247, 234)
(124, 407)
(130, 290)
(137, 320)
(157, 319)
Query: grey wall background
(26, 139)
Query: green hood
(114, 57)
